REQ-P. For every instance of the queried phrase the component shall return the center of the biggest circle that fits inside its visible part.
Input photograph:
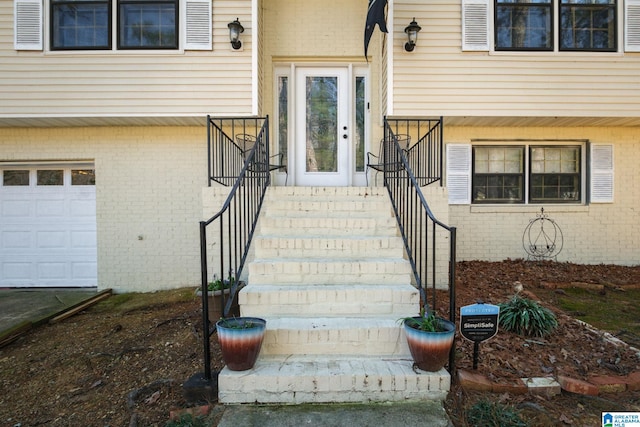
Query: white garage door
(48, 225)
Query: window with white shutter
(523, 25)
(601, 173)
(535, 173)
(459, 173)
(89, 25)
(475, 25)
(28, 25)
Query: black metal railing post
(205, 301)
(405, 170)
(236, 221)
(452, 292)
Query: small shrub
(526, 317)
(489, 414)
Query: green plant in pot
(215, 289)
(240, 340)
(218, 285)
(430, 339)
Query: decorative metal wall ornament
(542, 238)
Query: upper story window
(86, 24)
(583, 25)
(113, 24)
(523, 25)
(80, 24)
(147, 24)
(588, 25)
(550, 25)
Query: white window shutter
(459, 173)
(197, 23)
(601, 174)
(475, 25)
(28, 25)
(632, 25)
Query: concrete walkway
(396, 414)
(21, 308)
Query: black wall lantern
(412, 31)
(235, 29)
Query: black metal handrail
(423, 234)
(424, 153)
(225, 156)
(236, 221)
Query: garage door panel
(50, 208)
(52, 240)
(82, 209)
(48, 235)
(17, 209)
(16, 272)
(16, 240)
(83, 239)
(84, 270)
(49, 273)
(52, 271)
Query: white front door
(322, 138)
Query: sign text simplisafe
(479, 322)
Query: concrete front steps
(330, 278)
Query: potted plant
(240, 340)
(214, 291)
(430, 339)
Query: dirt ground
(573, 350)
(123, 361)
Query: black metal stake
(476, 347)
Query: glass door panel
(322, 137)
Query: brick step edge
(550, 386)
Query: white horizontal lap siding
(121, 83)
(441, 78)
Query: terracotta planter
(430, 350)
(240, 340)
(215, 305)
